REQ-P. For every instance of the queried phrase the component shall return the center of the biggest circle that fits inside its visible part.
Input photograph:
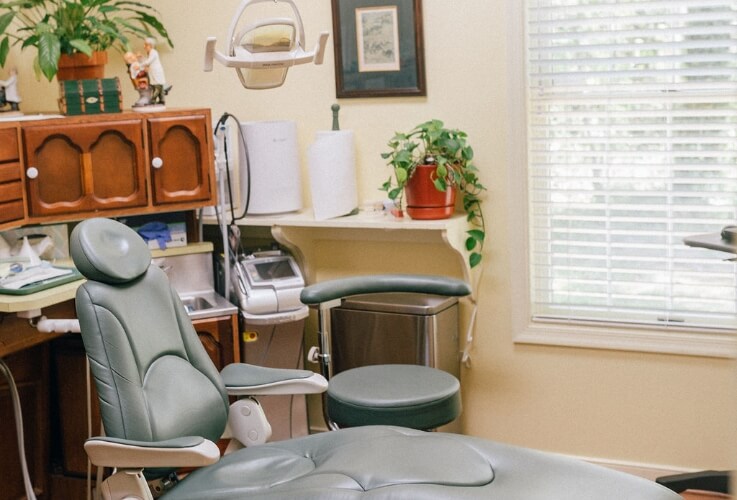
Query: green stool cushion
(412, 396)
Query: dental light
(262, 52)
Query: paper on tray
(332, 168)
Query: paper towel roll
(332, 167)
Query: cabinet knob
(157, 162)
(32, 172)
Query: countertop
(62, 293)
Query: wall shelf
(297, 231)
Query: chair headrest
(107, 251)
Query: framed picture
(379, 50)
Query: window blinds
(632, 145)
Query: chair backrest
(154, 379)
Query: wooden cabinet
(179, 163)
(30, 372)
(220, 338)
(114, 164)
(85, 167)
(11, 186)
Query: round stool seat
(413, 396)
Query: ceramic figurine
(152, 65)
(9, 92)
(139, 79)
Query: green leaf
(81, 46)
(49, 51)
(401, 175)
(440, 184)
(470, 243)
(474, 259)
(394, 193)
(442, 170)
(477, 235)
(4, 49)
(5, 21)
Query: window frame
(526, 330)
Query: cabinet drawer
(11, 191)
(12, 210)
(9, 172)
(8, 145)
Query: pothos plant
(56, 27)
(432, 143)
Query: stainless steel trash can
(388, 328)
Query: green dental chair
(163, 406)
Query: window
(631, 145)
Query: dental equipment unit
(263, 51)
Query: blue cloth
(158, 231)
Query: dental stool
(415, 396)
(163, 404)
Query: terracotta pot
(424, 201)
(78, 66)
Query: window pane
(632, 146)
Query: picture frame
(379, 48)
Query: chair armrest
(345, 287)
(191, 451)
(242, 379)
(709, 480)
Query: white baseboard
(648, 471)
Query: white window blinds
(632, 146)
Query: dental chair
(163, 405)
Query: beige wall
(646, 408)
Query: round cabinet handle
(32, 172)
(157, 162)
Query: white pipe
(45, 325)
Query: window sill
(686, 343)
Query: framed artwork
(379, 49)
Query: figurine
(139, 79)
(9, 92)
(152, 65)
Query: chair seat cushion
(370, 463)
(412, 396)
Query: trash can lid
(420, 304)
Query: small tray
(45, 284)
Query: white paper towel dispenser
(270, 176)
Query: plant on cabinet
(431, 164)
(73, 28)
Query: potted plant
(73, 28)
(434, 161)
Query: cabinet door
(31, 374)
(219, 337)
(180, 154)
(84, 167)
(11, 188)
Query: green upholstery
(418, 397)
(139, 339)
(380, 283)
(156, 383)
(413, 396)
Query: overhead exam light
(262, 52)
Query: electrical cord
(30, 494)
(225, 116)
